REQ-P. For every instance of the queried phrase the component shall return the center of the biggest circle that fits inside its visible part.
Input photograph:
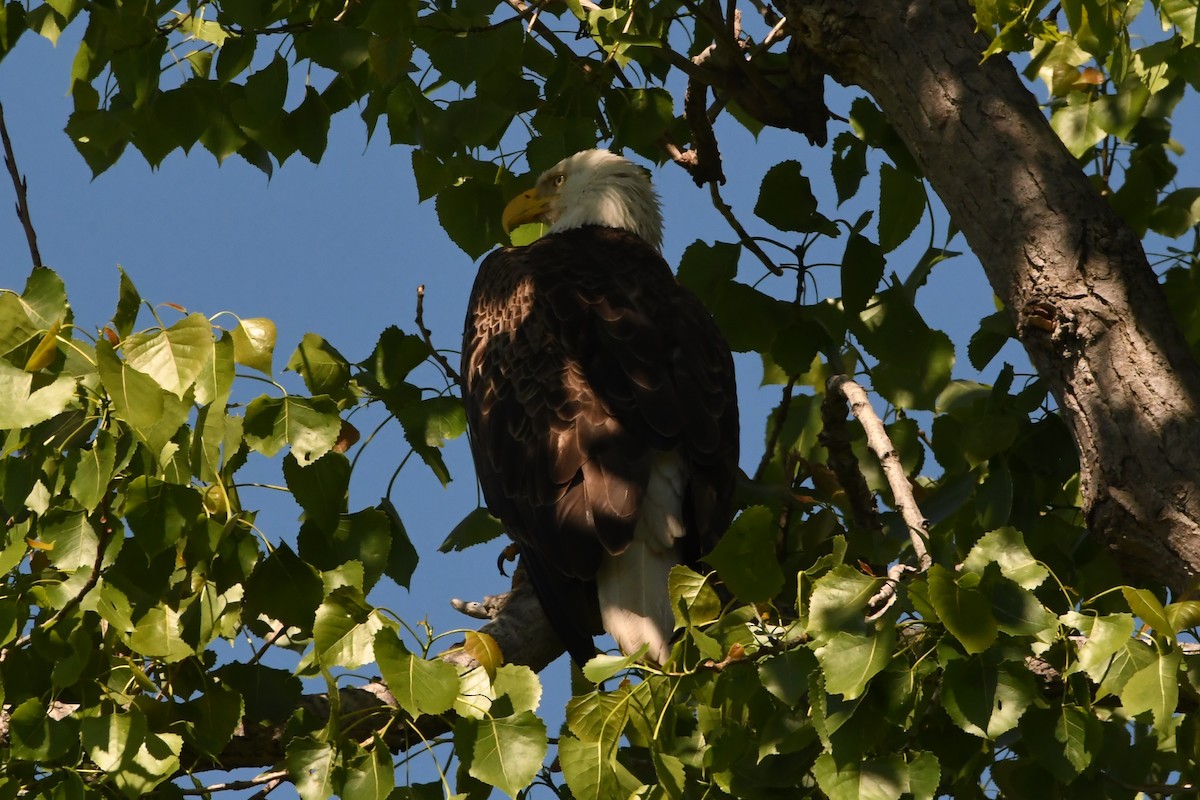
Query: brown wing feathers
(582, 357)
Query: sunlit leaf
(254, 343)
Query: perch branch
(22, 189)
(889, 459)
(451, 373)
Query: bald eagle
(601, 405)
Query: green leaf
(153, 413)
(1062, 738)
(428, 424)
(160, 513)
(1144, 604)
(745, 557)
(309, 426)
(214, 717)
(1183, 15)
(592, 773)
(1077, 125)
(786, 200)
(235, 56)
(308, 125)
(396, 354)
(862, 269)
(159, 634)
(27, 399)
(1106, 634)
(984, 697)
(74, 541)
(477, 527)
(878, 779)
(1155, 688)
(924, 776)
(639, 117)
(520, 685)
(90, 469)
(370, 776)
(1177, 213)
(706, 268)
(173, 357)
(694, 601)
(284, 588)
(344, 630)
(966, 613)
(1183, 615)
(786, 675)
(1006, 548)
(995, 330)
(914, 360)
(340, 48)
(324, 369)
(254, 343)
(849, 165)
(320, 488)
(850, 660)
(469, 212)
(839, 599)
(1132, 657)
(311, 765)
(420, 686)
(603, 666)
(1117, 114)
(44, 298)
(34, 736)
(112, 740)
(402, 556)
(506, 753)
(901, 206)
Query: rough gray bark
(1075, 279)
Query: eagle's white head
(592, 187)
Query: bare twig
(881, 445)
(785, 403)
(22, 189)
(451, 373)
(744, 237)
(259, 780)
(768, 13)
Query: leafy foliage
(1016, 665)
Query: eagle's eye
(559, 180)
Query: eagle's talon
(508, 554)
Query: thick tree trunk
(1086, 304)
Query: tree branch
(751, 245)
(889, 460)
(22, 189)
(451, 373)
(1086, 304)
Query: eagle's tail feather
(635, 605)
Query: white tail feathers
(635, 605)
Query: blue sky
(339, 249)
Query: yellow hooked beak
(526, 207)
